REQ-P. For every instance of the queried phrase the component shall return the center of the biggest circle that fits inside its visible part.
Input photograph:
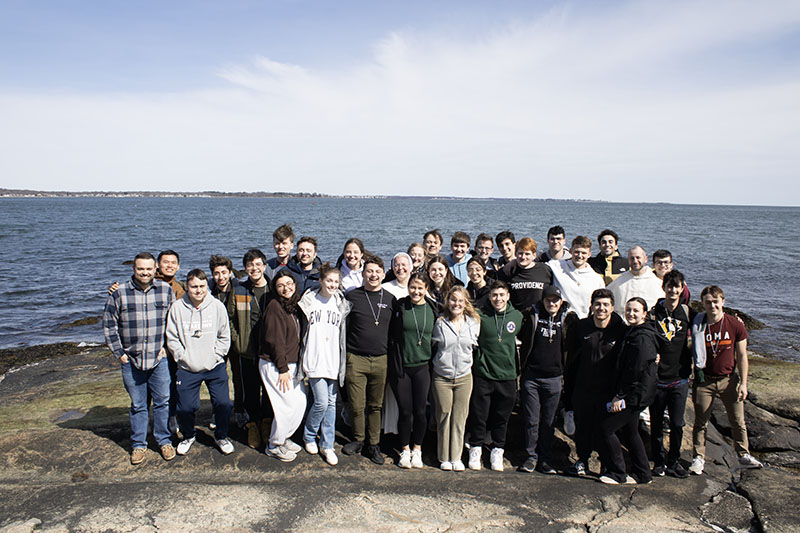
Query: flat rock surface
(64, 450)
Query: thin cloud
(598, 103)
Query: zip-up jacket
(592, 359)
(306, 279)
(246, 315)
(453, 358)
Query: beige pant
(703, 396)
(451, 398)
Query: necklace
(502, 326)
(550, 329)
(416, 324)
(715, 345)
(375, 315)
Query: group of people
(455, 340)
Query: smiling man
(721, 367)
(608, 262)
(134, 324)
(576, 279)
(592, 349)
(305, 264)
(432, 241)
(525, 277)
(367, 345)
(459, 255)
(198, 337)
(639, 280)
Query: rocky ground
(64, 466)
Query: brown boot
(253, 435)
(266, 429)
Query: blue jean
(322, 415)
(188, 384)
(539, 402)
(140, 383)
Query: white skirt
(289, 406)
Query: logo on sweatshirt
(511, 327)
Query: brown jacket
(281, 336)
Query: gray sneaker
(292, 446)
(281, 453)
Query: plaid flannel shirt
(135, 322)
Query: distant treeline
(167, 194)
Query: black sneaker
(578, 468)
(677, 470)
(545, 468)
(528, 466)
(373, 453)
(352, 448)
(659, 470)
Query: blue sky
(596, 100)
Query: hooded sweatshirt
(576, 284)
(306, 279)
(198, 337)
(637, 369)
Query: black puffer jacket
(637, 371)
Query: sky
(648, 101)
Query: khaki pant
(451, 399)
(703, 396)
(365, 381)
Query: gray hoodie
(198, 337)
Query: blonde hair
(469, 310)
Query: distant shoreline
(28, 193)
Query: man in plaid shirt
(134, 323)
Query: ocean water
(62, 253)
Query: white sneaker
(292, 446)
(447, 466)
(474, 461)
(225, 446)
(416, 458)
(405, 459)
(496, 459)
(749, 461)
(458, 466)
(608, 480)
(312, 448)
(184, 445)
(697, 465)
(330, 457)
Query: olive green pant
(451, 399)
(365, 382)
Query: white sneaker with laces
(184, 445)
(282, 453)
(458, 466)
(416, 458)
(697, 465)
(292, 446)
(474, 461)
(225, 446)
(749, 461)
(405, 459)
(447, 466)
(496, 459)
(330, 457)
(312, 448)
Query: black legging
(411, 391)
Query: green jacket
(245, 316)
